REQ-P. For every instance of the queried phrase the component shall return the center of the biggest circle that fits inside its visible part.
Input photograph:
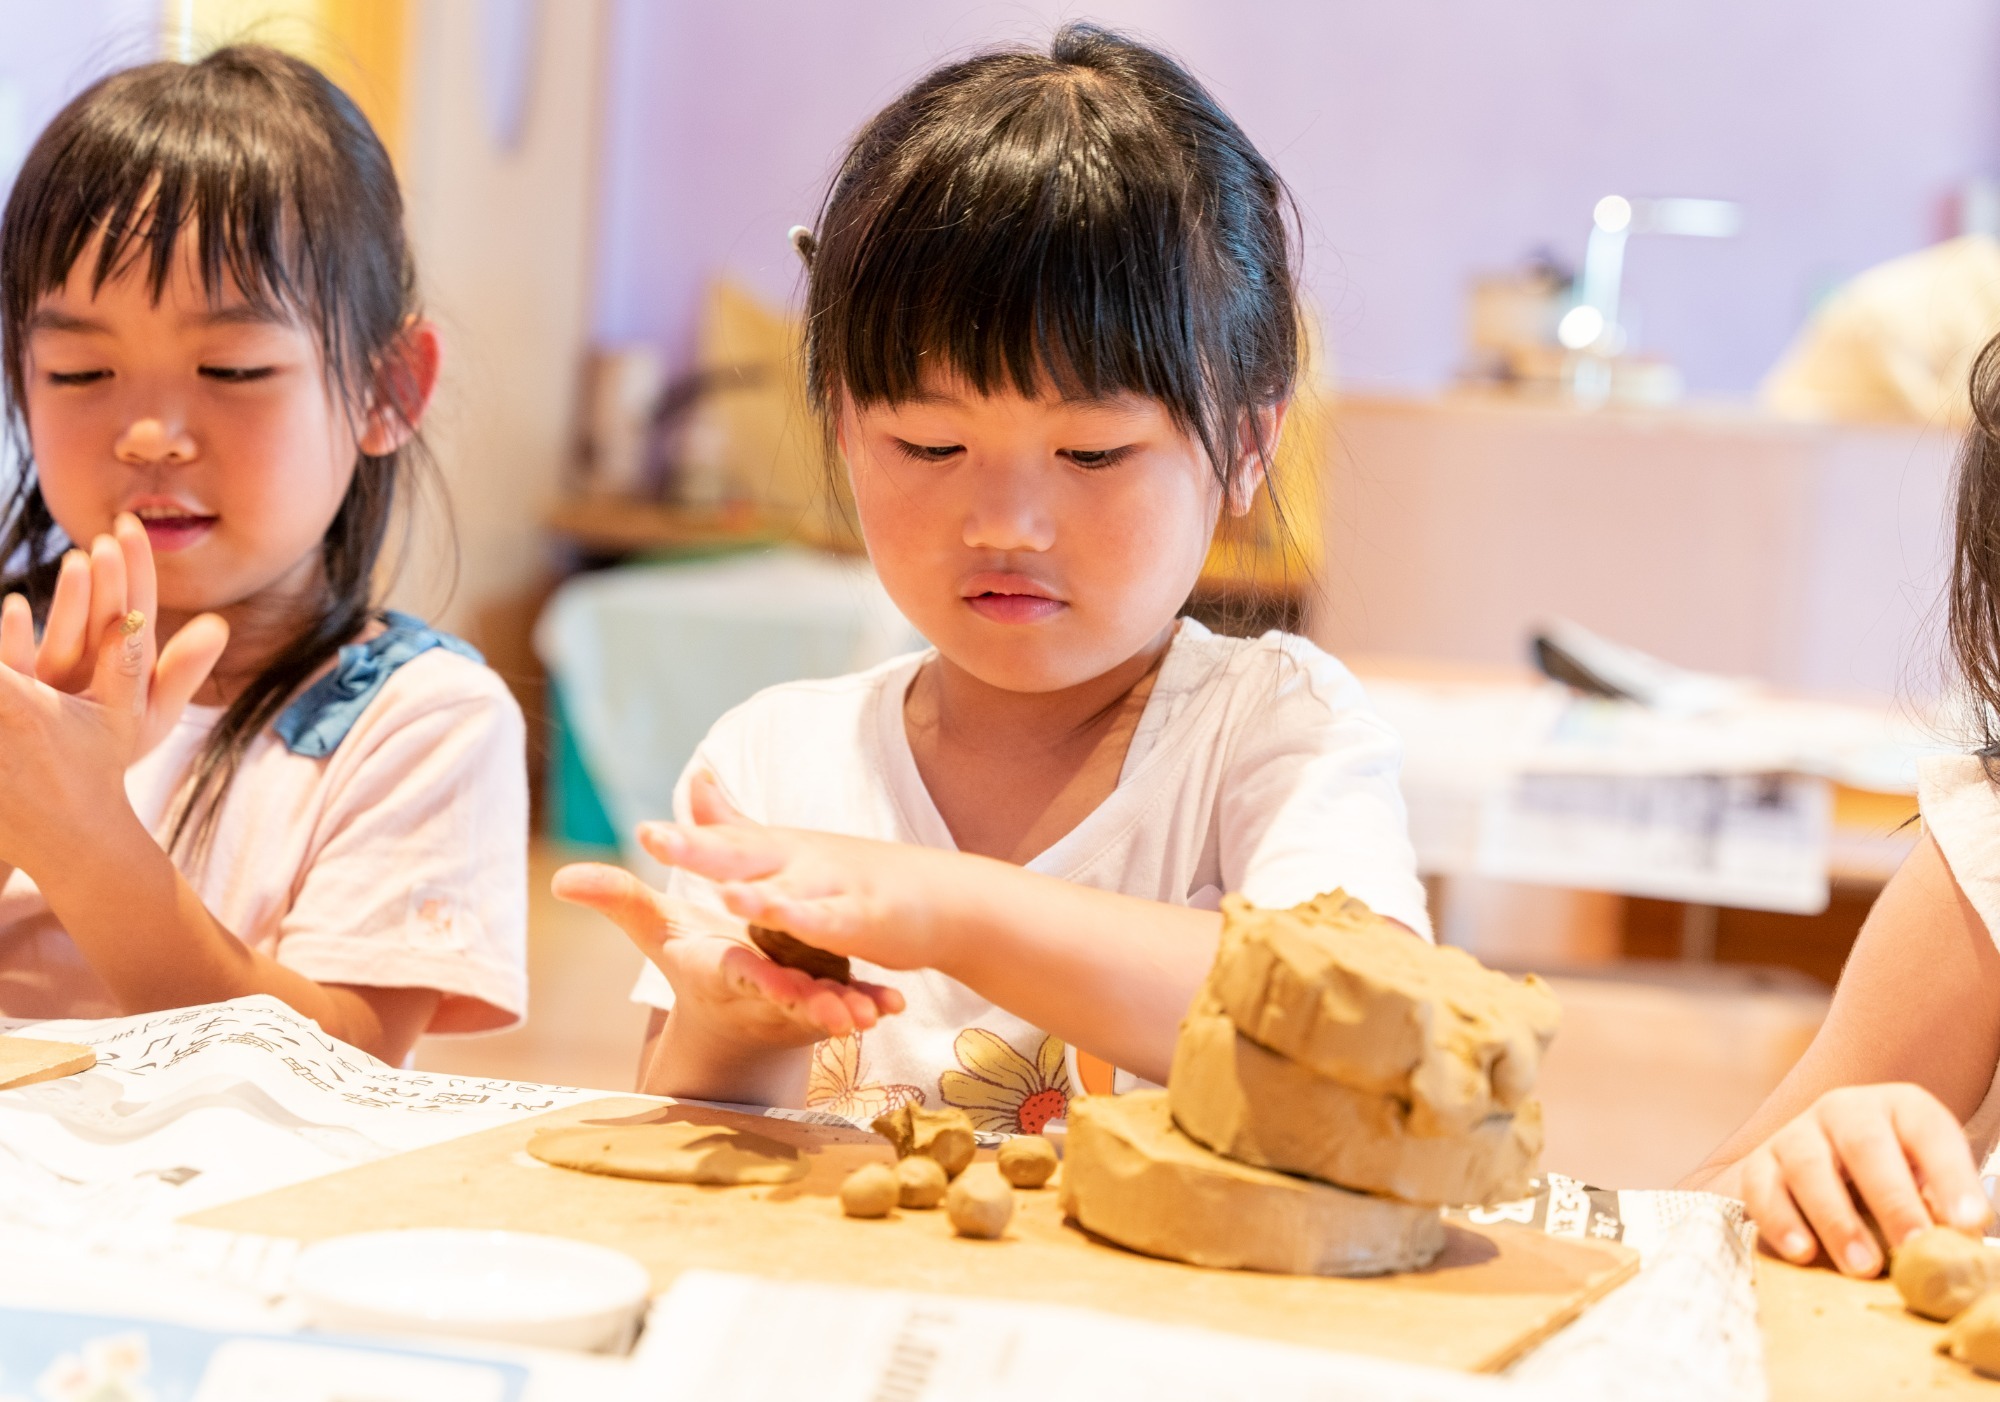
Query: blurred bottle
(622, 387)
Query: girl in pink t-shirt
(223, 770)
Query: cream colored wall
(503, 243)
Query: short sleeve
(1310, 800)
(1961, 811)
(419, 875)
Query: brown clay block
(1939, 1271)
(945, 1135)
(795, 953)
(1131, 1177)
(1358, 999)
(1248, 1104)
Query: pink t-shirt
(399, 860)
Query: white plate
(517, 1286)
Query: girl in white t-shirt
(217, 365)
(1052, 326)
(1897, 1099)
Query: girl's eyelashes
(925, 452)
(77, 377)
(1092, 458)
(237, 374)
(1098, 457)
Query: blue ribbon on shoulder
(316, 723)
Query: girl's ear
(405, 380)
(1261, 426)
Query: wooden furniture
(1826, 1336)
(1495, 1293)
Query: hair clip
(803, 240)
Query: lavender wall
(1426, 140)
(53, 48)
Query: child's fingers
(107, 589)
(69, 617)
(818, 1005)
(829, 922)
(1868, 1149)
(619, 896)
(719, 853)
(120, 679)
(1771, 1208)
(17, 635)
(142, 586)
(1814, 1181)
(185, 663)
(1935, 1142)
(888, 1001)
(707, 803)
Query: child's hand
(719, 979)
(95, 594)
(847, 895)
(1905, 1155)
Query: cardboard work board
(26, 1060)
(1826, 1335)
(1494, 1293)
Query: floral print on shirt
(1003, 1091)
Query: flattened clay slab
(1249, 1104)
(1132, 1178)
(671, 1153)
(26, 1060)
(1359, 1000)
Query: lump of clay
(1359, 1000)
(1248, 1104)
(1939, 1271)
(1131, 1177)
(944, 1135)
(795, 953)
(1974, 1337)
(1027, 1160)
(920, 1182)
(676, 1152)
(869, 1191)
(980, 1204)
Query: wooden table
(1826, 1336)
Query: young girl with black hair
(1897, 1099)
(1052, 326)
(223, 770)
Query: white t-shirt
(1256, 767)
(399, 860)
(1961, 812)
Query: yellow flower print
(834, 1084)
(1000, 1089)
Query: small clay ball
(980, 1203)
(1027, 1160)
(952, 1148)
(1939, 1271)
(920, 1182)
(870, 1191)
(1974, 1337)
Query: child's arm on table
(1879, 1098)
(1109, 973)
(66, 821)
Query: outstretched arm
(1878, 1100)
(1108, 973)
